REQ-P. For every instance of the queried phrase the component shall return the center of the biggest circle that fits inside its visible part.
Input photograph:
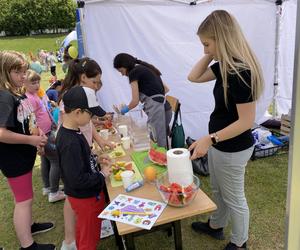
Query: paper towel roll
(180, 169)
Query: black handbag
(177, 131)
(200, 165)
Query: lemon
(118, 176)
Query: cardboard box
(285, 124)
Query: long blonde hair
(233, 51)
(10, 60)
(32, 76)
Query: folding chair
(174, 102)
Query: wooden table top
(200, 205)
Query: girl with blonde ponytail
(238, 85)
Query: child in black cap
(83, 180)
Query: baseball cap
(83, 98)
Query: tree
(25, 16)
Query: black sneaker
(205, 228)
(37, 228)
(232, 246)
(37, 246)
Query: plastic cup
(125, 142)
(104, 133)
(127, 178)
(123, 130)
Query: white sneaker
(58, 196)
(46, 191)
(71, 246)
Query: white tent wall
(286, 56)
(164, 33)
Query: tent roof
(182, 1)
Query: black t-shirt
(149, 83)
(16, 115)
(80, 173)
(222, 116)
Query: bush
(22, 17)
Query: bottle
(134, 185)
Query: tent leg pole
(276, 80)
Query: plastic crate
(275, 150)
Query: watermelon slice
(157, 157)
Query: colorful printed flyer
(133, 211)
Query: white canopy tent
(286, 56)
(164, 33)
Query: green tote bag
(177, 132)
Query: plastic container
(174, 194)
(140, 135)
(134, 185)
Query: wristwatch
(214, 138)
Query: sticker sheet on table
(133, 211)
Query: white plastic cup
(127, 178)
(123, 130)
(125, 142)
(104, 133)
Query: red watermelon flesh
(157, 156)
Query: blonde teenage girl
(19, 139)
(238, 85)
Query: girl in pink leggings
(19, 140)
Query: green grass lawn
(32, 43)
(266, 187)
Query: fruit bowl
(174, 194)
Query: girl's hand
(200, 147)
(104, 160)
(106, 143)
(38, 141)
(124, 109)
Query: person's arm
(201, 72)
(134, 98)
(134, 95)
(246, 113)
(99, 140)
(9, 137)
